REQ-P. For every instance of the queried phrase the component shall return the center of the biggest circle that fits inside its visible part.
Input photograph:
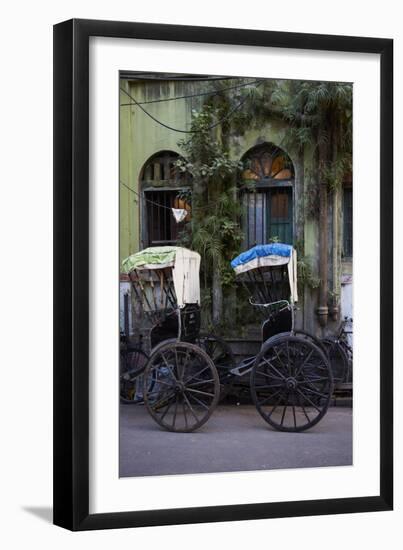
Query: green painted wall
(141, 137)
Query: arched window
(163, 187)
(267, 195)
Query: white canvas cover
(185, 274)
(185, 266)
(275, 260)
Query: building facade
(278, 205)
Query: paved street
(235, 438)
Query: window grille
(267, 196)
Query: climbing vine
(318, 120)
(214, 229)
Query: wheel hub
(291, 383)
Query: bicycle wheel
(349, 353)
(132, 365)
(338, 359)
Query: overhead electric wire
(208, 206)
(147, 200)
(200, 94)
(231, 112)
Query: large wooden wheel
(186, 389)
(308, 336)
(291, 383)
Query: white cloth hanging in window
(179, 214)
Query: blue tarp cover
(261, 251)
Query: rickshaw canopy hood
(269, 255)
(185, 265)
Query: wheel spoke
(308, 399)
(283, 415)
(317, 379)
(175, 412)
(199, 392)
(199, 383)
(185, 363)
(314, 391)
(293, 414)
(270, 397)
(166, 410)
(304, 362)
(168, 366)
(270, 386)
(184, 414)
(303, 409)
(161, 401)
(271, 376)
(158, 391)
(194, 375)
(274, 368)
(165, 383)
(288, 358)
(190, 407)
(178, 365)
(278, 357)
(198, 401)
(275, 406)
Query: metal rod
(268, 293)
(256, 285)
(164, 290)
(153, 288)
(161, 287)
(172, 296)
(126, 313)
(134, 286)
(144, 293)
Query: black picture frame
(71, 274)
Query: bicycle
(340, 353)
(133, 361)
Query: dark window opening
(162, 184)
(267, 215)
(161, 225)
(162, 228)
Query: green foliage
(214, 229)
(318, 122)
(311, 195)
(333, 172)
(216, 235)
(305, 272)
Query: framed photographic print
(223, 296)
